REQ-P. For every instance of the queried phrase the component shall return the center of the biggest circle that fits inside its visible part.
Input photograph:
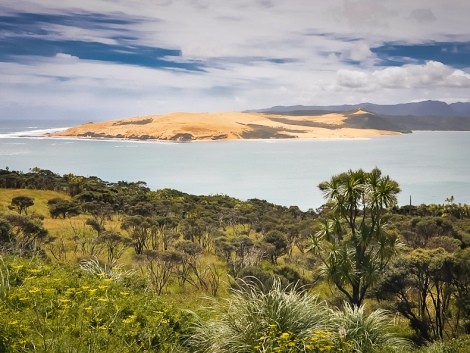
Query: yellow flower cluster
(130, 319)
(319, 341)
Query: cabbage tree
(353, 242)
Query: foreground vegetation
(91, 266)
(51, 308)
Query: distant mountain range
(425, 108)
(426, 115)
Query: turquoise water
(429, 166)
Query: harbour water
(429, 166)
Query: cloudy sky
(104, 59)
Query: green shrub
(63, 309)
(458, 345)
(368, 332)
(278, 320)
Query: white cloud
(227, 37)
(352, 79)
(358, 52)
(213, 28)
(430, 75)
(66, 58)
(62, 32)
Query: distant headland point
(282, 122)
(185, 127)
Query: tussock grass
(368, 332)
(289, 320)
(249, 315)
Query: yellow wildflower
(129, 319)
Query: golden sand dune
(222, 126)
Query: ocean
(429, 165)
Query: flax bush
(279, 320)
(368, 332)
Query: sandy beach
(184, 127)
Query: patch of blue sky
(21, 21)
(455, 54)
(26, 35)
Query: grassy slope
(62, 228)
(40, 198)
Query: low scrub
(288, 320)
(47, 308)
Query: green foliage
(287, 321)
(459, 345)
(264, 279)
(278, 244)
(353, 243)
(64, 208)
(318, 341)
(5, 231)
(21, 203)
(26, 234)
(55, 309)
(187, 244)
(252, 320)
(367, 332)
(422, 283)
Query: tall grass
(253, 320)
(368, 332)
(455, 345)
(286, 320)
(4, 279)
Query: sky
(107, 59)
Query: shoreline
(268, 140)
(231, 126)
(136, 140)
(271, 140)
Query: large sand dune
(226, 126)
